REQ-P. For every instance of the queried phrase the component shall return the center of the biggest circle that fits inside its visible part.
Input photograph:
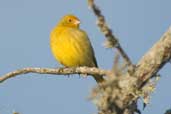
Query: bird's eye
(70, 20)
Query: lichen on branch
(55, 71)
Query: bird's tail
(99, 78)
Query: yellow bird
(71, 46)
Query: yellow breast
(71, 47)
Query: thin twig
(55, 71)
(112, 41)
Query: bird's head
(69, 21)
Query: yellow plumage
(71, 46)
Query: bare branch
(120, 94)
(148, 66)
(55, 71)
(154, 59)
(112, 41)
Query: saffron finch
(71, 46)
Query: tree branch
(111, 41)
(55, 71)
(122, 91)
(147, 68)
(154, 59)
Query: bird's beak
(77, 22)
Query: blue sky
(24, 42)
